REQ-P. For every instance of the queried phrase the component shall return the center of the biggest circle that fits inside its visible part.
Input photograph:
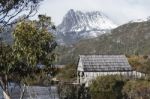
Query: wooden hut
(91, 66)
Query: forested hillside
(130, 38)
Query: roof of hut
(103, 63)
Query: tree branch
(8, 10)
(1, 83)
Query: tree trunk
(6, 96)
(4, 86)
(22, 93)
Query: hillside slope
(130, 38)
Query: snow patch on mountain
(82, 25)
(140, 20)
(78, 21)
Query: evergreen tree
(33, 45)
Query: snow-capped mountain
(140, 20)
(78, 25)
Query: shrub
(107, 87)
(137, 89)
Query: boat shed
(91, 66)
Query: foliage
(140, 63)
(68, 75)
(107, 87)
(68, 72)
(6, 58)
(6, 63)
(38, 77)
(113, 87)
(130, 38)
(10, 10)
(68, 91)
(137, 89)
(33, 45)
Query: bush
(68, 73)
(107, 87)
(140, 63)
(67, 91)
(137, 89)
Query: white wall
(89, 76)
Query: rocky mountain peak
(77, 25)
(79, 21)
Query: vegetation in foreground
(107, 87)
(111, 86)
(68, 73)
(114, 87)
(33, 45)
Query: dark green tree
(33, 45)
(6, 61)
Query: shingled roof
(103, 63)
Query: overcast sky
(120, 11)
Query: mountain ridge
(77, 25)
(129, 39)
